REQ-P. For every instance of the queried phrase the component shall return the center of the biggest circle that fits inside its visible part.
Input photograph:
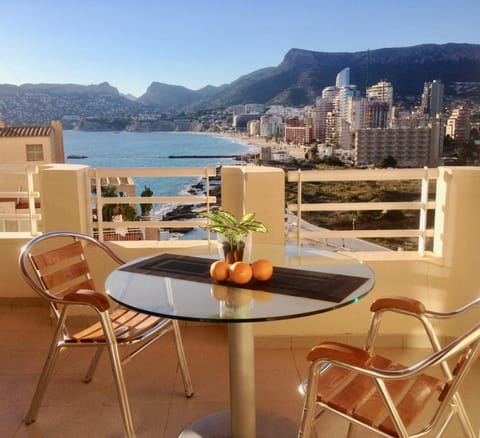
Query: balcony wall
(444, 278)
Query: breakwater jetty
(237, 157)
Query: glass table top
(211, 301)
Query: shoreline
(257, 142)
(187, 211)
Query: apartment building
(31, 144)
(411, 147)
(240, 121)
(458, 125)
(34, 144)
(270, 125)
(253, 127)
(382, 91)
(38, 144)
(408, 119)
(298, 131)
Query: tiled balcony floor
(73, 409)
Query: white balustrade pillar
(258, 189)
(457, 235)
(65, 198)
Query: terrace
(441, 273)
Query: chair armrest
(362, 362)
(92, 297)
(405, 304)
(346, 354)
(417, 308)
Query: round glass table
(306, 281)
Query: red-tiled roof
(26, 131)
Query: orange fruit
(219, 270)
(262, 270)
(240, 272)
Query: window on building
(34, 152)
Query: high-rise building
(319, 118)
(377, 114)
(331, 131)
(344, 95)
(432, 98)
(343, 78)
(436, 141)
(345, 137)
(458, 125)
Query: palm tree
(146, 208)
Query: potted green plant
(233, 231)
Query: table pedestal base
(217, 425)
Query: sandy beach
(254, 141)
(282, 148)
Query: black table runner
(287, 281)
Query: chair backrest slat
(63, 269)
(78, 270)
(58, 255)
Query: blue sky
(194, 43)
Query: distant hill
(103, 88)
(296, 81)
(175, 97)
(42, 103)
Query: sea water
(152, 149)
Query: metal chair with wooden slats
(55, 265)
(383, 396)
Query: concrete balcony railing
(444, 277)
(106, 230)
(423, 205)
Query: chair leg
(118, 375)
(46, 372)
(187, 383)
(463, 418)
(350, 430)
(309, 403)
(93, 365)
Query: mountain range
(303, 74)
(296, 81)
